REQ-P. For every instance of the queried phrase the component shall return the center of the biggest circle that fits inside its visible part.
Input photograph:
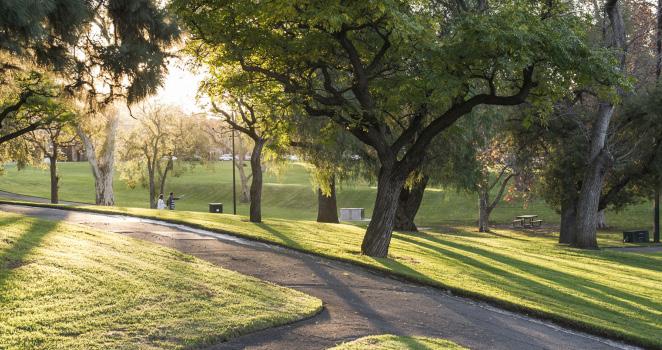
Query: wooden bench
(536, 223)
(518, 221)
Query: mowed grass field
(607, 292)
(289, 195)
(63, 286)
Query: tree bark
(568, 221)
(169, 167)
(484, 212)
(256, 183)
(55, 179)
(409, 201)
(327, 208)
(245, 188)
(658, 72)
(589, 201)
(378, 235)
(152, 188)
(599, 158)
(241, 167)
(103, 168)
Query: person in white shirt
(160, 204)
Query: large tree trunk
(103, 167)
(589, 200)
(409, 201)
(568, 221)
(484, 212)
(378, 235)
(599, 158)
(256, 183)
(55, 179)
(658, 73)
(327, 208)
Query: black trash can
(635, 236)
(215, 207)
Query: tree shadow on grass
(585, 286)
(286, 240)
(20, 245)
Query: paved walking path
(357, 301)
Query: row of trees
(398, 75)
(489, 96)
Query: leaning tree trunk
(55, 179)
(152, 189)
(409, 201)
(164, 176)
(327, 208)
(568, 221)
(587, 206)
(256, 183)
(484, 211)
(245, 189)
(378, 235)
(240, 164)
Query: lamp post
(234, 176)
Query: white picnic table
(527, 220)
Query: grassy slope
(66, 287)
(606, 292)
(286, 196)
(392, 342)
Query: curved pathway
(357, 302)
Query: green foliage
(163, 142)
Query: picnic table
(527, 221)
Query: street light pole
(234, 187)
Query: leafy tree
(101, 49)
(395, 74)
(256, 109)
(335, 157)
(261, 122)
(158, 146)
(50, 140)
(497, 166)
(450, 162)
(26, 96)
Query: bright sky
(180, 88)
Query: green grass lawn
(392, 342)
(67, 287)
(606, 292)
(289, 196)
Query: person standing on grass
(171, 201)
(160, 204)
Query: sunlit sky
(180, 88)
